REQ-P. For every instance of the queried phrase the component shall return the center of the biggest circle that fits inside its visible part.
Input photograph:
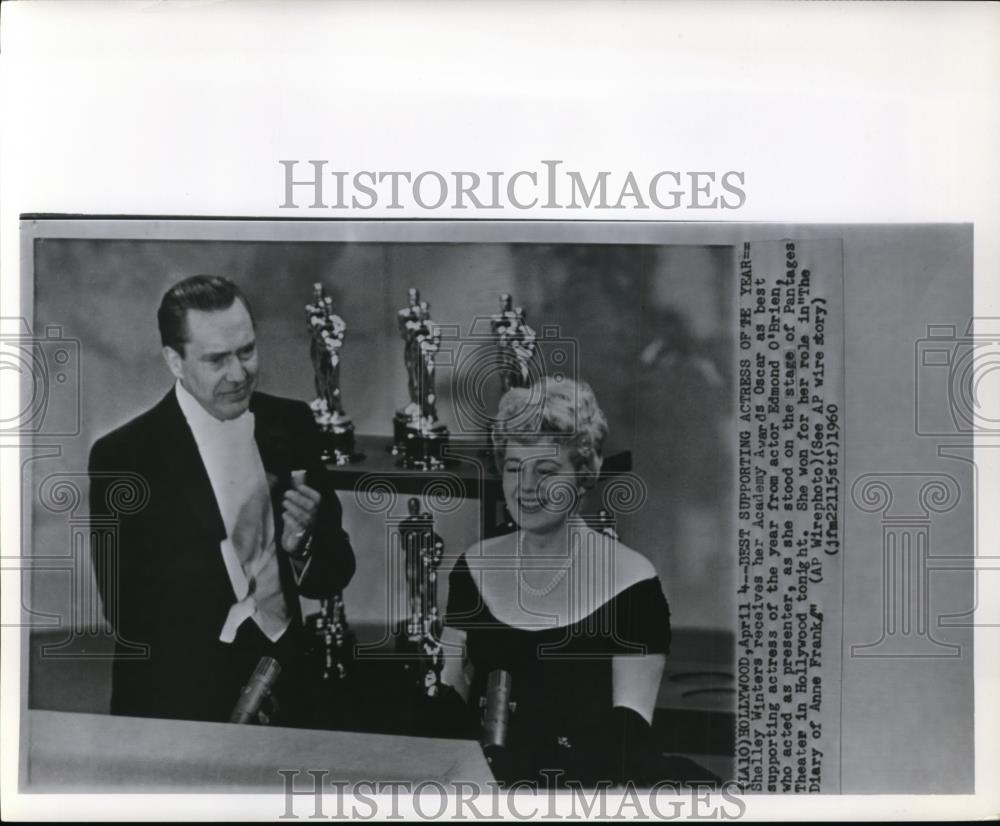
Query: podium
(73, 752)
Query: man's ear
(174, 361)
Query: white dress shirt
(235, 469)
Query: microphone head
(498, 680)
(255, 692)
(496, 714)
(268, 670)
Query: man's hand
(300, 507)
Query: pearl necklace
(545, 590)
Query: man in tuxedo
(204, 579)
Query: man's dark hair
(199, 292)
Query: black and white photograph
(549, 515)
(477, 480)
(498, 412)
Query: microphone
(496, 712)
(256, 691)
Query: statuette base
(337, 444)
(423, 447)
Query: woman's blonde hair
(563, 410)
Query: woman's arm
(457, 671)
(635, 682)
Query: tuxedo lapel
(274, 457)
(276, 447)
(195, 497)
(274, 441)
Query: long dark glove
(634, 756)
(631, 752)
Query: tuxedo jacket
(164, 585)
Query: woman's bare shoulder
(631, 566)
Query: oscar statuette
(327, 330)
(419, 437)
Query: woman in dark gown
(577, 619)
